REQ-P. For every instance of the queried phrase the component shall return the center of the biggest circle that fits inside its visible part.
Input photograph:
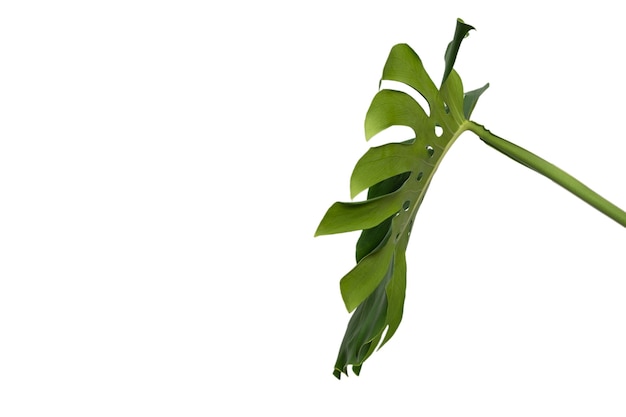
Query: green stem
(550, 171)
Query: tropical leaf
(397, 176)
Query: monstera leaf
(397, 176)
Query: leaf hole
(420, 176)
(392, 134)
(406, 205)
(416, 95)
(430, 150)
(438, 131)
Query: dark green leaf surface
(461, 32)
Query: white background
(164, 165)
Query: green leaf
(470, 100)
(361, 281)
(397, 176)
(405, 66)
(380, 163)
(452, 95)
(348, 217)
(396, 289)
(394, 108)
(364, 328)
(461, 32)
(371, 238)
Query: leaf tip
(462, 22)
(355, 188)
(461, 32)
(348, 301)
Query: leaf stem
(550, 171)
